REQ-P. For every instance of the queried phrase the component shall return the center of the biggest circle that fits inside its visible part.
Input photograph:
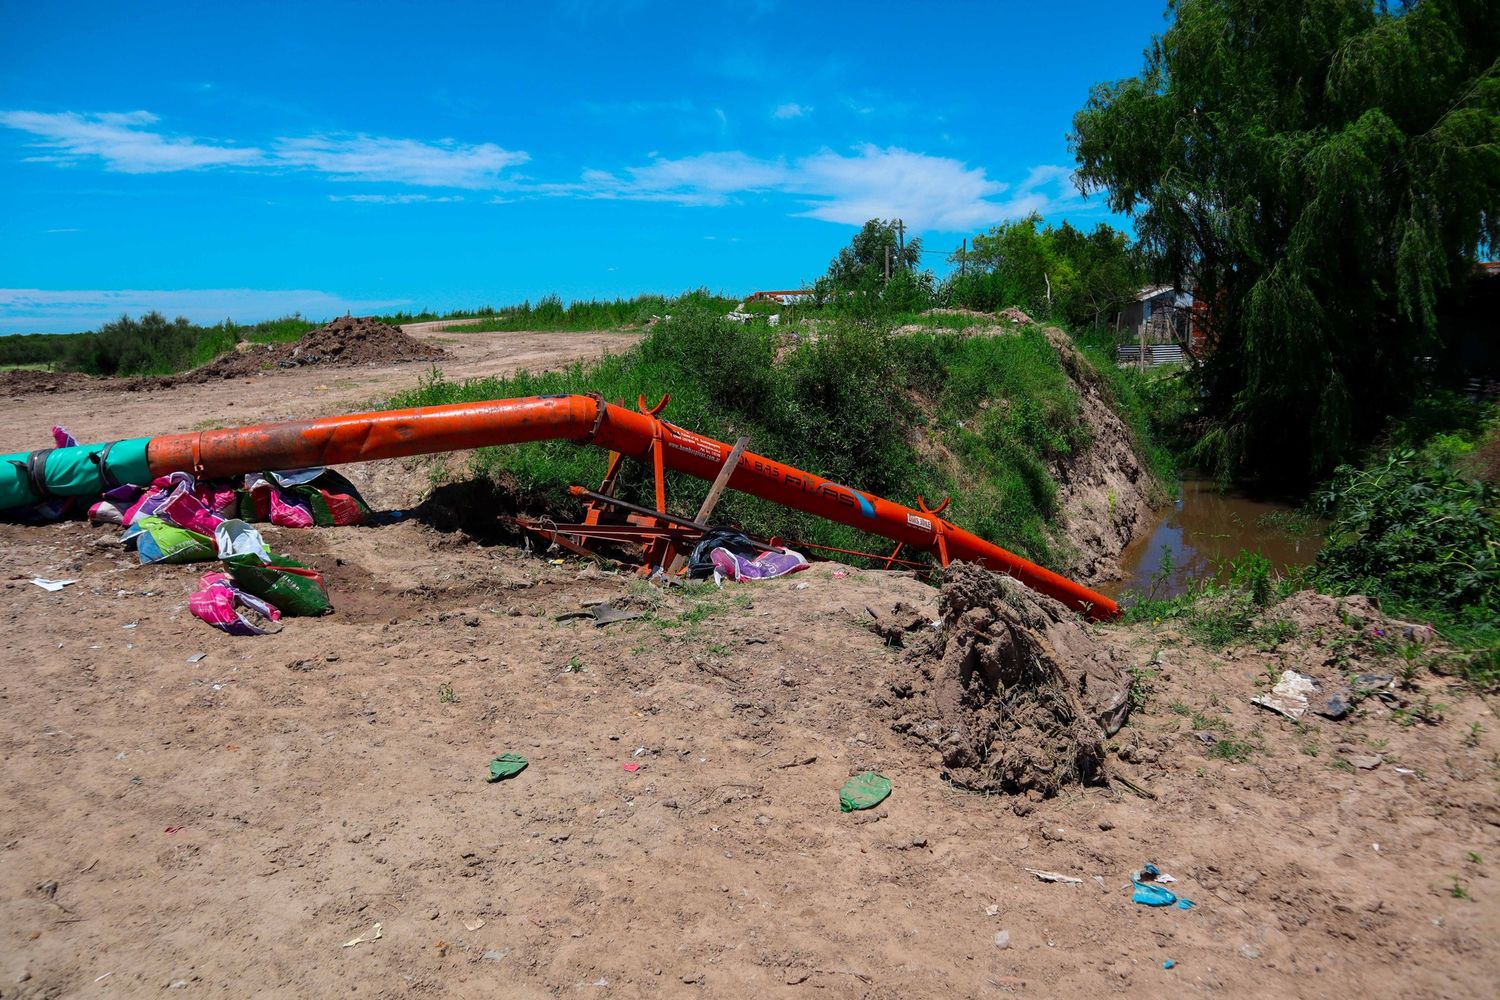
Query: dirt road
(231, 825)
(95, 413)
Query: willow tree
(1321, 173)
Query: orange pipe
(587, 420)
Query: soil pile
(360, 340)
(1013, 690)
(28, 381)
(345, 343)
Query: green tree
(864, 259)
(1320, 172)
(856, 279)
(1054, 273)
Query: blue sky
(254, 159)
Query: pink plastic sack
(219, 604)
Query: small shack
(1156, 327)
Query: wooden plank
(721, 483)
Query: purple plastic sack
(731, 566)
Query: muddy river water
(1206, 526)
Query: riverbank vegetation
(899, 415)
(1324, 177)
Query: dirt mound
(345, 343)
(360, 340)
(1014, 314)
(1013, 690)
(27, 382)
(943, 311)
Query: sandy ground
(229, 825)
(106, 411)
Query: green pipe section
(85, 470)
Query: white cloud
(127, 143)
(929, 192)
(122, 142)
(396, 199)
(401, 161)
(35, 310)
(791, 110)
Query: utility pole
(963, 258)
(888, 264)
(901, 235)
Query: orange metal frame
(640, 435)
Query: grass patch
(1233, 750)
(1222, 614)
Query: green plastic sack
(159, 541)
(292, 587)
(864, 791)
(507, 765)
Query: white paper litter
(51, 586)
(1289, 696)
(374, 936)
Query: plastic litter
(51, 586)
(1169, 964)
(224, 606)
(864, 791)
(294, 588)
(237, 538)
(1290, 695)
(632, 768)
(507, 765)
(1047, 876)
(602, 614)
(372, 935)
(156, 540)
(766, 566)
(1150, 892)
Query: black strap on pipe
(101, 459)
(35, 471)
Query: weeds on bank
(979, 418)
(1419, 528)
(1220, 614)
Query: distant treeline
(155, 345)
(549, 312)
(151, 345)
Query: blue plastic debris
(1169, 964)
(1149, 892)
